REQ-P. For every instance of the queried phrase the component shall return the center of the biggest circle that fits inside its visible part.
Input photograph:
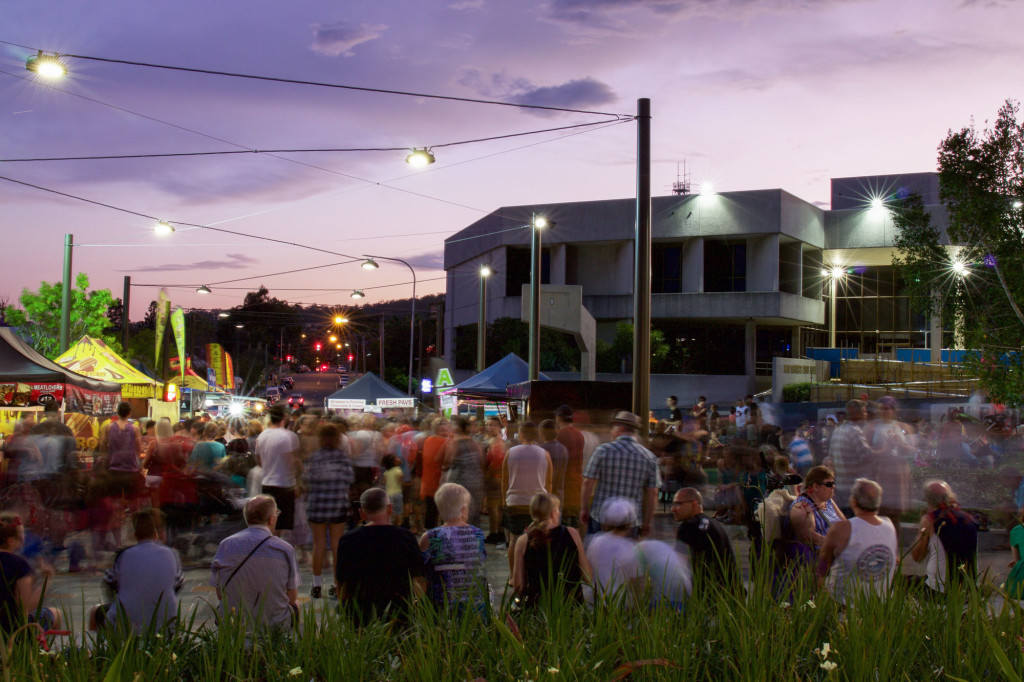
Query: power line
(338, 86)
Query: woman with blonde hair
(549, 556)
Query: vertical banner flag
(215, 361)
(229, 372)
(163, 309)
(178, 327)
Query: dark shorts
(285, 499)
(515, 520)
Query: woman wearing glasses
(812, 514)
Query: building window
(518, 270)
(666, 269)
(725, 265)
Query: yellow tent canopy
(94, 358)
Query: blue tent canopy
(368, 387)
(492, 383)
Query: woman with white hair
(455, 553)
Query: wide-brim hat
(628, 419)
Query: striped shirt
(622, 468)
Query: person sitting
(812, 514)
(612, 554)
(255, 573)
(380, 568)
(706, 541)
(455, 553)
(948, 538)
(144, 580)
(549, 557)
(859, 555)
(20, 595)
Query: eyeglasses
(830, 484)
(680, 503)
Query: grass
(718, 637)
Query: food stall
(488, 388)
(369, 393)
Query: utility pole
(642, 268)
(65, 296)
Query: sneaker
(315, 593)
(501, 545)
(332, 592)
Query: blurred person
(144, 582)
(894, 444)
(121, 443)
(20, 593)
(859, 555)
(255, 573)
(367, 451)
(549, 556)
(207, 454)
(947, 541)
(666, 574)
(392, 481)
(573, 440)
(253, 429)
(559, 457)
(706, 542)
(328, 477)
(621, 468)
(380, 567)
(494, 457)
(277, 452)
(849, 451)
(434, 448)
(800, 454)
(526, 471)
(612, 555)
(163, 458)
(464, 464)
(675, 415)
(1015, 581)
(455, 554)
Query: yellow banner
(215, 361)
(178, 326)
(229, 371)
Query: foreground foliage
(718, 637)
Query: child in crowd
(393, 486)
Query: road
(315, 386)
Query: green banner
(163, 309)
(178, 326)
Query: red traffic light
(288, 358)
(318, 345)
(351, 357)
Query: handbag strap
(239, 566)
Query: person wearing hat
(622, 468)
(612, 554)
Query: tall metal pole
(382, 346)
(481, 325)
(124, 311)
(535, 267)
(412, 317)
(642, 268)
(832, 312)
(65, 296)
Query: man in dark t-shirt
(711, 553)
(675, 415)
(380, 567)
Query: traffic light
(288, 358)
(318, 346)
(170, 392)
(351, 358)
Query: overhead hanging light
(47, 66)
(370, 264)
(420, 158)
(358, 293)
(163, 228)
(203, 289)
(223, 314)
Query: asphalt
(75, 593)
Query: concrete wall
(720, 390)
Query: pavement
(75, 593)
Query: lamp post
(481, 327)
(65, 296)
(537, 223)
(370, 264)
(642, 267)
(833, 274)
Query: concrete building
(737, 277)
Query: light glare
(420, 158)
(485, 271)
(163, 228)
(707, 189)
(540, 222)
(358, 293)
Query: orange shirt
(572, 439)
(433, 457)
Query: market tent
(94, 358)
(373, 391)
(492, 383)
(34, 379)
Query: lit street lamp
(835, 273)
(481, 327)
(371, 264)
(537, 223)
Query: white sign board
(345, 404)
(396, 402)
(371, 408)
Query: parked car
(303, 369)
(288, 382)
(273, 394)
(343, 381)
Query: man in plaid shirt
(621, 468)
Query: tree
(38, 319)
(618, 355)
(977, 287)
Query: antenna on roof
(682, 183)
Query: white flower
(828, 666)
(825, 648)
(553, 671)
(785, 605)
(294, 672)
(809, 605)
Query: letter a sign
(444, 378)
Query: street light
(537, 223)
(420, 158)
(412, 316)
(163, 228)
(222, 315)
(834, 274)
(481, 329)
(47, 66)
(340, 320)
(370, 264)
(358, 293)
(203, 290)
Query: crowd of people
(393, 510)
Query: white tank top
(935, 564)
(868, 561)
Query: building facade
(737, 277)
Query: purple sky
(752, 93)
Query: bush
(797, 393)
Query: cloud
(235, 261)
(575, 94)
(429, 260)
(466, 4)
(339, 38)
